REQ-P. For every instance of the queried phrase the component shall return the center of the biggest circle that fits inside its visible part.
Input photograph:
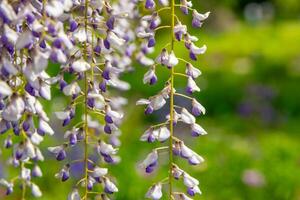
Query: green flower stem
(171, 103)
(85, 107)
(23, 184)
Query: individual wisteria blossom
(27, 35)
(95, 45)
(168, 58)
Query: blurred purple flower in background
(253, 178)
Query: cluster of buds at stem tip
(101, 45)
(149, 24)
(28, 33)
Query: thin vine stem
(85, 107)
(164, 8)
(23, 184)
(180, 74)
(183, 95)
(162, 27)
(171, 103)
(180, 5)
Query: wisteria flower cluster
(25, 51)
(93, 42)
(100, 40)
(164, 131)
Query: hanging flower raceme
(98, 55)
(25, 48)
(164, 131)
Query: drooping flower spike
(26, 46)
(100, 41)
(167, 57)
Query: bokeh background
(250, 88)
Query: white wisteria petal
(198, 129)
(107, 149)
(11, 35)
(189, 181)
(9, 67)
(37, 170)
(180, 28)
(8, 10)
(114, 40)
(62, 115)
(37, 26)
(166, 91)
(99, 172)
(35, 190)
(187, 117)
(96, 95)
(145, 60)
(155, 192)
(25, 173)
(39, 155)
(40, 61)
(151, 158)
(71, 89)
(55, 149)
(186, 152)
(110, 185)
(196, 190)
(144, 34)
(192, 85)
(80, 35)
(163, 134)
(5, 90)
(143, 102)
(74, 195)
(45, 127)
(45, 91)
(67, 5)
(196, 159)
(40, 110)
(24, 39)
(66, 40)
(31, 75)
(163, 57)
(148, 76)
(36, 138)
(177, 172)
(176, 117)
(61, 57)
(146, 134)
(199, 16)
(114, 114)
(117, 83)
(198, 50)
(192, 71)
(157, 102)
(81, 65)
(172, 60)
(192, 38)
(29, 150)
(164, 2)
(54, 8)
(5, 183)
(14, 110)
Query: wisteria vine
(101, 38)
(165, 131)
(24, 81)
